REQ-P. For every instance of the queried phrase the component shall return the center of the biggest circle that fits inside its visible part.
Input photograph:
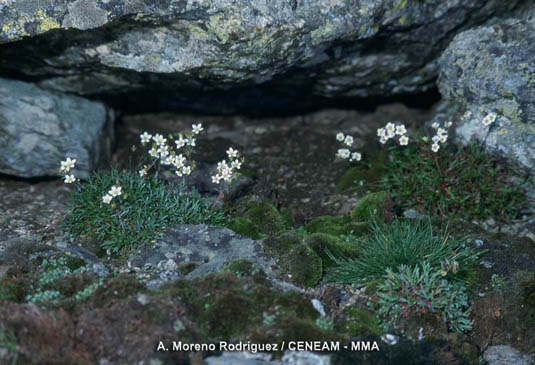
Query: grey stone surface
(491, 69)
(208, 248)
(221, 55)
(39, 129)
(506, 355)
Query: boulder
(39, 129)
(488, 70)
(228, 56)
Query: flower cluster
(392, 130)
(66, 167)
(226, 169)
(441, 135)
(345, 153)
(114, 191)
(169, 156)
(489, 119)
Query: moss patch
(373, 207)
(230, 307)
(336, 226)
(322, 243)
(360, 322)
(298, 261)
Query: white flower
(69, 179)
(179, 161)
(403, 140)
(348, 141)
(179, 173)
(106, 199)
(222, 165)
(181, 142)
(390, 133)
(435, 125)
(425, 139)
(226, 174)
(115, 191)
(163, 150)
(168, 160)
(186, 170)
(142, 172)
(340, 137)
(435, 147)
(145, 137)
(467, 114)
(390, 127)
(67, 165)
(443, 138)
(343, 153)
(236, 164)
(449, 124)
(158, 138)
(191, 142)
(216, 179)
(197, 128)
(381, 132)
(441, 131)
(383, 139)
(400, 130)
(489, 119)
(435, 139)
(355, 156)
(153, 152)
(232, 153)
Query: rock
(304, 358)
(193, 251)
(241, 358)
(490, 70)
(505, 354)
(39, 129)
(218, 57)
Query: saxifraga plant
(140, 211)
(420, 290)
(402, 243)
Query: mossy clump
(187, 267)
(336, 226)
(118, 287)
(296, 259)
(12, 290)
(245, 227)
(322, 243)
(242, 267)
(265, 219)
(360, 322)
(226, 306)
(373, 207)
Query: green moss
(245, 227)
(188, 267)
(225, 306)
(12, 290)
(241, 267)
(321, 243)
(336, 226)
(265, 218)
(360, 322)
(297, 261)
(372, 207)
(118, 287)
